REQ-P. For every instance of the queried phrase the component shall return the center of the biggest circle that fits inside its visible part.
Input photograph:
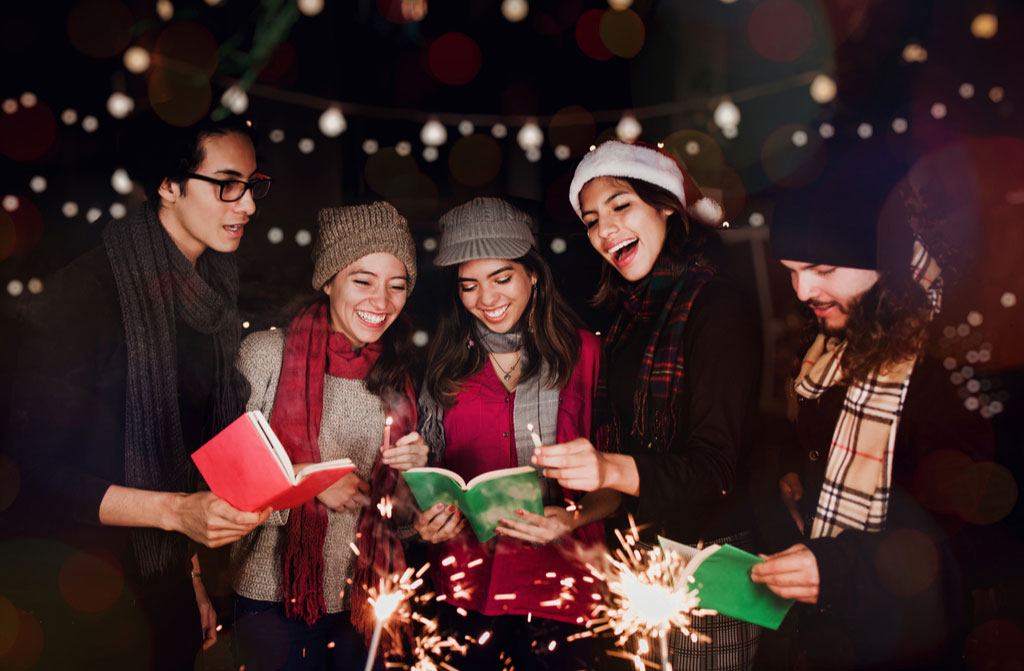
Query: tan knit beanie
(345, 234)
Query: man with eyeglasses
(127, 366)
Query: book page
(324, 466)
(498, 498)
(431, 486)
(275, 446)
(451, 475)
(500, 473)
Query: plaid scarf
(312, 351)
(667, 300)
(855, 493)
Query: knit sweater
(351, 426)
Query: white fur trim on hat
(619, 159)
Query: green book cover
(485, 500)
(721, 575)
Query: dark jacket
(894, 599)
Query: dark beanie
(854, 215)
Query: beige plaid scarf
(855, 493)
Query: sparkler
(643, 600)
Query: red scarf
(312, 350)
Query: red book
(246, 465)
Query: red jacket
(480, 437)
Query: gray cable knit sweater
(352, 426)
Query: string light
(530, 136)
(562, 152)
(276, 136)
(967, 91)
(499, 131)
(35, 286)
(628, 128)
(433, 133)
(756, 219)
(121, 182)
(466, 127)
(420, 338)
(136, 60)
(403, 148)
(799, 138)
(727, 115)
(275, 235)
(69, 117)
(864, 131)
(10, 106)
(69, 209)
(514, 11)
(915, 53)
(332, 122)
(310, 7)
(28, 100)
(15, 288)
(558, 245)
(303, 238)
(93, 214)
(823, 89)
(533, 154)
(995, 94)
(306, 145)
(37, 184)
(235, 98)
(985, 26)
(938, 111)
(90, 124)
(120, 105)
(899, 125)
(165, 9)
(430, 154)
(370, 146)
(118, 210)
(826, 130)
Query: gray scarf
(534, 404)
(157, 285)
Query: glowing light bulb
(628, 128)
(823, 89)
(136, 60)
(433, 133)
(332, 122)
(985, 26)
(514, 11)
(727, 115)
(120, 105)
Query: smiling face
(830, 291)
(366, 297)
(194, 216)
(495, 291)
(623, 228)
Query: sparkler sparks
(642, 600)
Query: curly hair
(887, 324)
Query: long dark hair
(685, 243)
(554, 338)
(887, 324)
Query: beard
(831, 329)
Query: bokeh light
(303, 237)
(311, 7)
(727, 114)
(899, 125)
(514, 11)
(121, 182)
(420, 338)
(90, 583)
(826, 130)
(370, 146)
(332, 122)
(10, 202)
(186, 56)
(756, 219)
(93, 214)
(499, 131)
(430, 154)
(165, 9)
(28, 99)
(118, 210)
(402, 11)
(69, 209)
(21, 637)
(475, 160)
(1008, 299)
(276, 136)
(37, 184)
(136, 60)
(10, 106)
(532, 154)
(403, 148)
(823, 89)
(562, 152)
(235, 99)
(69, 117)
(915, 53)
(788, 166)
(996, 94)
(454, 59)
(558, 245)
(588, 35)
(985, 26)
(275, 235)
(100, 28)
(466, 127)
(429, 244)
(530, 136)
(938, 111)
(966, 90)
(306, 145)
(15, 288)
(628, 129)
(620, 4)
(780, 30)
(433, 133)
(120, 105)
(572, 126)
(906, 562)
(864, 131)
(622, 32)
(90, 124)
(27, 133)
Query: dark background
(574, 67)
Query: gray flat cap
(484, 228)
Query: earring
(469, 342)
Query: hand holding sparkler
(578, 465)
(409, 451)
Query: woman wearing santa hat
(679, 371)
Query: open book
(721, 575)
(485, 500)
(246, 465)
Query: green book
(721, 575)
(485, 500)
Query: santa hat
(640, 161)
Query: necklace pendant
(508, 376)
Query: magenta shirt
(480, 437)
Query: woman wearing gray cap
(508, 352)
(676, 394)
(327, 384)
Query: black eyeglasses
(233, 189)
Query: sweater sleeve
(722, 353)
(68, 408)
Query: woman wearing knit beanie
(328, 382)
(679, 372)
(508, 353)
